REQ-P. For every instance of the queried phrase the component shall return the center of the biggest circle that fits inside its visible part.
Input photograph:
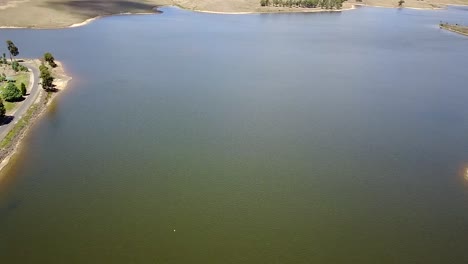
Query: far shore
(462, 30)
(70, 14)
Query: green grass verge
(20, 78)
(19, 126)
(9, 105)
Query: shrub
(15, 66)
(23, 68)
(23, 89)
(18, 67)
(12, 93)
(43, 68)
(50, 59)
(2, 109)
(46, 76)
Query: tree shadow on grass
(90, 8)
(6, 120)
(21, 99)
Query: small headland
(460, 29)
(27, 87)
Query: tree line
(325, 4)
(12, 93)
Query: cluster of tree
(12, 93)
(18, 67)
(325, 4)
(13, 53)
(47, 79)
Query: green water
(292, 138)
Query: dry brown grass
(456, 28)
(62, 13)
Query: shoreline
(44, 99)
(312, 10)
(453, 30)
(34, 113)
(156, 11)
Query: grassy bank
(19, 126)
(19, 78)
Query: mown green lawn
(20, 78)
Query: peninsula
(455, 28)
(27, 86)
(66, 13)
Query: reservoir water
(265, 138)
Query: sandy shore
(8, 153)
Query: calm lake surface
(276, 138)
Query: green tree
(12, 49)
(11, 93)
(47, 81)
(46, 76)
(48, 57)
(43, 68)
(401, 2)
(23, 89)
(2, 109)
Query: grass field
(20, 125)
(20, 78)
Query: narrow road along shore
(29, 100)
(28, 111)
